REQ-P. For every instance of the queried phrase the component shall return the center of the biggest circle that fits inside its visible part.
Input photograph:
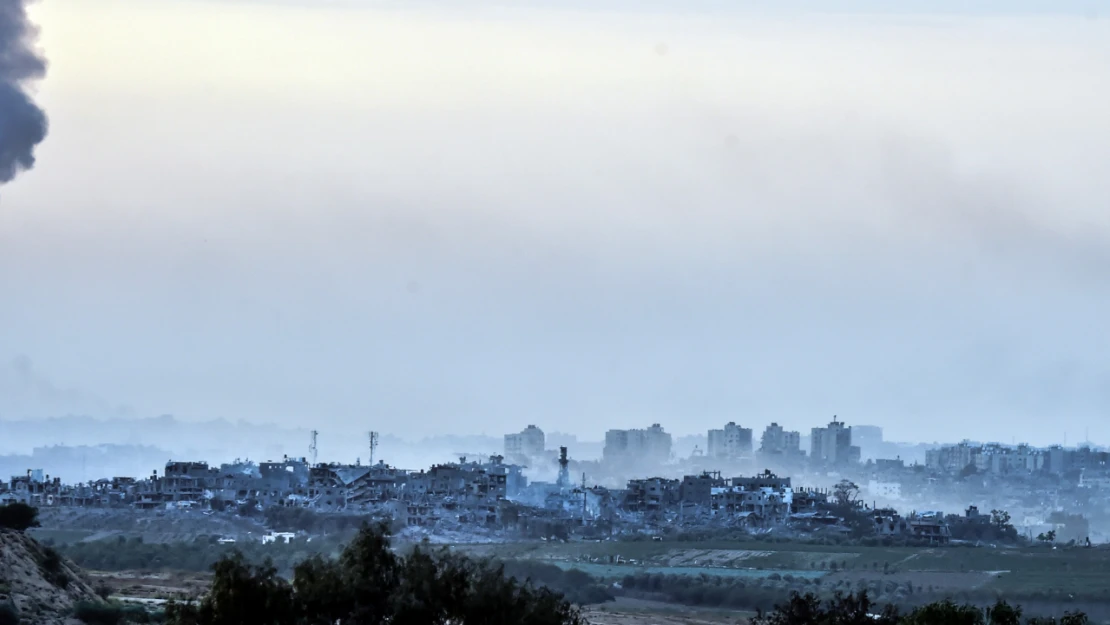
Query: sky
(424, 219)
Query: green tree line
(370, 584)
(858, 609)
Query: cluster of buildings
(996, 459)
(464, 491)
(637, 448)
(1035, 484)
(638, 482)
(638, 451)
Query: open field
(712, 575)
(1022, 571)
(626, 611)
(71, 525)
(709, 583)
(151, 586)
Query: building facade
(643, 447)
(730, 443)
(832, 445)
(779, 442)
(527, 444)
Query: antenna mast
(312, 448)
(373, 446)
(564, 474)
(583, 498)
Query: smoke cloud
(22, 122)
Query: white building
(278, 537)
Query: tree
(1003, 529)
(241, 594)
(371, 585)
(19, 516)
(846, 493)
(849, 609)
(1069, 618)
(857, 609)
(1074, 618)
(1000, 519)
(1003, 613)
(944, 613)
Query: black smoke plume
(22, 122)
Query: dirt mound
(38, 582)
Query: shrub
(19, 516)
(8, 614)
(137, 614)
(52, 568)
(98, 613)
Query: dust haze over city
(256, 226)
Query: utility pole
(312, 448)
(373, 446)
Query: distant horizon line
(1085, 442)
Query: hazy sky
(422, 220)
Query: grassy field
(625, 611)
(1022, 571)
(151, 586)
(699, 582)
(61, 536)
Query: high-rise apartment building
(651, 445)
(832, 445)
(529, 443)
(731, 443)
(777, 441)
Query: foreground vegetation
(369, 583)
(858, 609)
(18, 516)
(1044, 580)
(763, 595)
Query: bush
(18, 516)
(8, 614)
(98, 613)
(578, 586)
(52, 568)
(138, 614)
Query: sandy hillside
(41, 585)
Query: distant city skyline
(291, 436)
